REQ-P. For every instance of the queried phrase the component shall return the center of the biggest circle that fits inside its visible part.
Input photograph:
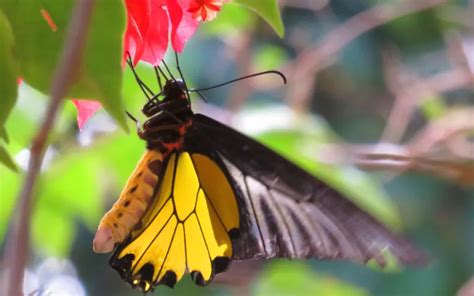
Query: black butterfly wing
(286, 212)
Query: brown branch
(460, 172)
(444, 133)
(316, 58)
(398, 159)
(410, 90)
(467, 289)
(240, 92)
(18, 241)
(411, 96)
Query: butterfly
(204, 195)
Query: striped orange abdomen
(128, 210)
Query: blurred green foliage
(269, 10)
(86, 171)
(296, 278)
(37, 49)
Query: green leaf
(4, 134)
(38, 49)
(72, 187)
(52, 231)
(269, 10)
(8, 72)
(231, 19)
(296, 278)
(6, 159)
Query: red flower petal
(186, 28)
(148, 28)
(137, 28)
(205, 10)
(85, 110)
(156, 40)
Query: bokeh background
(379, 103)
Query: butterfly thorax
(168, 119)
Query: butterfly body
(210, 195)
(162, 135)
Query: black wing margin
(286, 212)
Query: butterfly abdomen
(131, 205)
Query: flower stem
(16, 252)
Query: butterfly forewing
(285, 212)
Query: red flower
(205, 10)
(149, 24)
(85, 110)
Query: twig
(417, 93)
(18, 241)
(460, 172)
(410, 90)
(398, 159)
(322, 55)
(240, 92)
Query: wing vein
(214, 208)
(168, 250)
(151, 243)
(285, 222)
(255, 214)
(206, 196)
(204, 239)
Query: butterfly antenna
(168, 70)
(182, 78)
(131, 117)
(154, 97)
(140, 82)
(145, 88)
(242, 78)
(137, 123)
(203, 97)
(158, 78)
(162, 72)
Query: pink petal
(138, 22)
(148, 28)
(156, 40)
(183, 29)
(85, 110)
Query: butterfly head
(174, 90)
(173, 97)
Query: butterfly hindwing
(186, 228)
(285, 212)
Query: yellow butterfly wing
(186, 229)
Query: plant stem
(17, 244)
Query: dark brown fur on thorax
(168, 120)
